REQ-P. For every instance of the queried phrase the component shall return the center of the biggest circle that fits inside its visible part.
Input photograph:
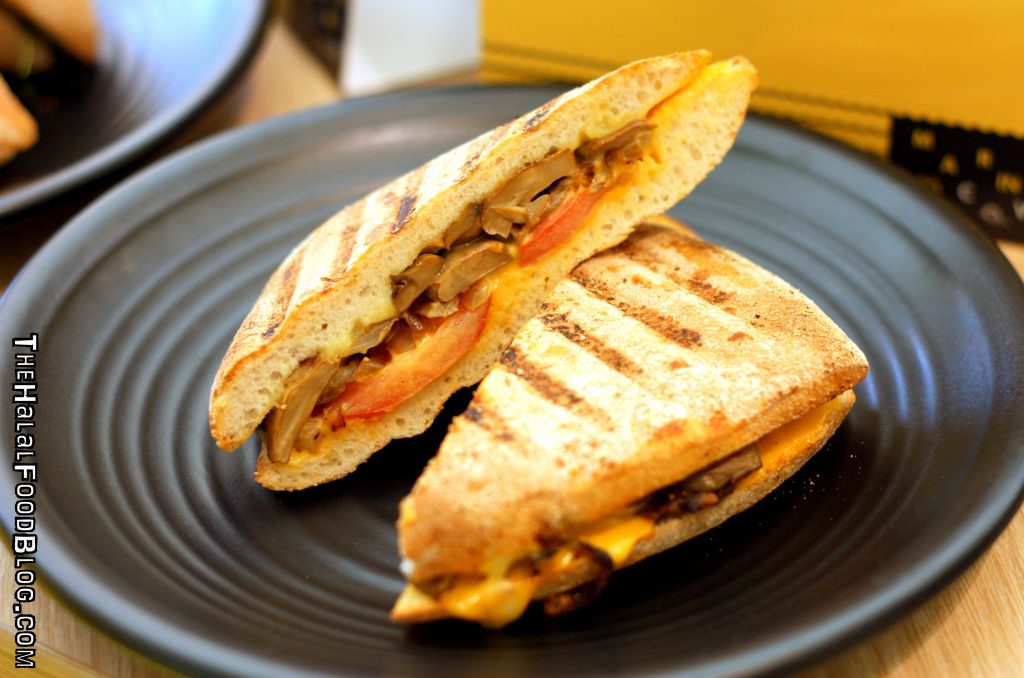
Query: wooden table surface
(975, 627)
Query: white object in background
(393, 43)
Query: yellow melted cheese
(374, 310)
(798, 433)
(493, 602)
(617, 536)
(498, 600)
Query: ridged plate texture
(158, 63)
(165, 541)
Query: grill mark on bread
(471, 162)
(401, 202)
(479, 148)
(496, 135)
(652, 259)
(489, 420)
(284, 288)
(347, 241)
(613, 358)
(405, 208)
(710, 257)
(550, 388)
(655, 320)
(708, 292)
(538, 115)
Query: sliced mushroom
(308, 434)
(638, 130)
(514, 213)
(369, 365)
(286, 420)
(522, 188)
(437, 309)
(725, 472)
(400, 340)
(600, 569)
(465, 228)
(370, 337)
(438, 585)
(420, 326)
(477, 294)
(625, 155)
(466, 264)
(541, 206)
(411, 282)
(674, 501)
(338, 381)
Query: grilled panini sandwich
(413, 292)
(666, 385)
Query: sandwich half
(666, 385)
(413, 292)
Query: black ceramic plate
(165, 542)
(159, 62)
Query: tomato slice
(558, 227)
(410, 371)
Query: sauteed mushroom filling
(582, 552)
(455, 273)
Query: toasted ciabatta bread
(18, 129)
(71, 23)
(653, 362)
(340, 280)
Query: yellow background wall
(841, 68)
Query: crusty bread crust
(652, 361)
(325, 286)
(750, 490)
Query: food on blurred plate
(413, 292)
(22, 51)
(665, 386)
(71, 23)
(18, 129)
(26, 26)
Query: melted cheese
(374, 310)
(798, 433)
(497, 600)
(617, 536)
(494, 602)
(787, 442)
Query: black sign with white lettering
(981, 172)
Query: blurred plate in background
(159, 63)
